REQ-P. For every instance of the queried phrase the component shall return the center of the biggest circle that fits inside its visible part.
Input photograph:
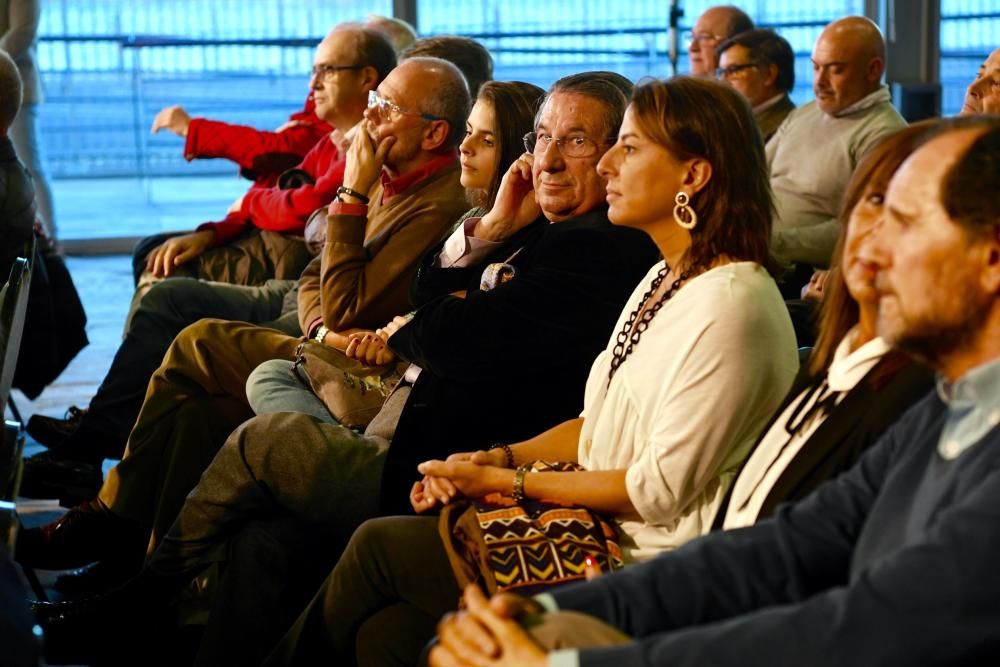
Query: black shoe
(51, 475)
(98, 578)
(86, 534)
(52, 431)
(115, 628)
(73, 631)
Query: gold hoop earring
(684, 215)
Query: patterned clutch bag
(528, 546)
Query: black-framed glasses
(575, 146)
(734, 70)
(386, 108)
(324, 72)
(689, 37)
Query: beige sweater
(811, 158)
(362, 278)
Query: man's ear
(876, 66)
(435, 135)
(990, 276)
(698, 175)
(770, 74)
(369, 78)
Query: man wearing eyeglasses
(813, 153)
(715, 25)
(348, 63)
(760, 65)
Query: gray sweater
(811, 158)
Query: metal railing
(109, 66)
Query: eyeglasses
(326, 72)
(386, 108)
(577, 146)
(689, 38)
(733, 70)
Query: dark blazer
(506, 364)
(17, 208)
(892, 563)
(771, 118)
(55, 323)
(876, 402)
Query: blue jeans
(273, 387)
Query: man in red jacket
(349, 62)
(260, 154)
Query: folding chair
(13, 304)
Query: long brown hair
(839, 311)
(693, 117)
(514, 106)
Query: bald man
(812, 155)
(714, 26)
(983, 94)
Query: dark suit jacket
(54, 324)
(876, 402)
(17, 208)
(771, 118)
(892, 563)
(509, 363)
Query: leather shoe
(116, 628)
(98, 577)
(52, 431)
(52, 475)
(87, 533)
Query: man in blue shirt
(893, 563)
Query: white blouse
(777, 449)
(684, 409)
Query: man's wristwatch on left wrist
(321, 332)
(351, 192)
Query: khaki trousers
(194, 400)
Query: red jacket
(286, 211)
(265, 154)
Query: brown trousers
(194, 400)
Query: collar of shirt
(849, 367)
(868, 101)
(342, 140)
(973, 408)
(767, 104)
(393, 186)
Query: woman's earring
(684, 215)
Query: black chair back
(13, 304)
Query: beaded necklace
(628, 337)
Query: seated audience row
(72, 470)
(487, 336)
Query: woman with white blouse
(700, 358)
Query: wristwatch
(321, 333)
